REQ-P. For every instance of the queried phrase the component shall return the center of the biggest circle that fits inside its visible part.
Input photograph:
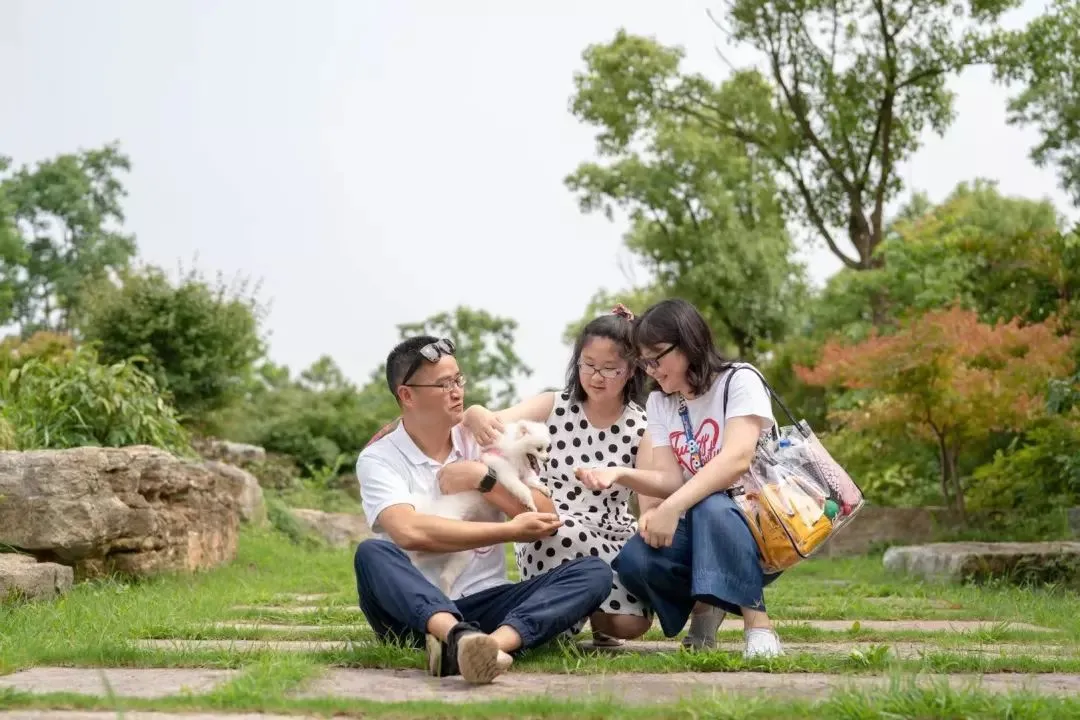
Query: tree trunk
(958, 489)
(946, 478)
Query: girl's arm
(486, 425)
(655, 474)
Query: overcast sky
(375, 162)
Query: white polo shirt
(393, 469)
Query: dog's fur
(517, 459)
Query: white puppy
(516, 459)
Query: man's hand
(530, 526)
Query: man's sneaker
(762, 643)
(703, 629)
(467, 652)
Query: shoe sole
(478, 658)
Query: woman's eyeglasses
(647, 363)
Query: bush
(201, 342)
(71, 400)
(1039, 471)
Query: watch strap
(488, 481)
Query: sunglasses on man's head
(430, 352)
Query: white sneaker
(762, 643)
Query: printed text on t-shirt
(707, 435)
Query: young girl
(595, 421)
(695, 546)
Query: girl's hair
(616, 327)
(677, 322)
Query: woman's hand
(483, 424)
(657, 526)
(597, 478)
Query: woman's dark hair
(677, 322)
(615, 327)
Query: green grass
(97, 624)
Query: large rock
(337, 529)
(227, 451)
(249, 497)
(135, 511)
(23, 577)
(1040, 562)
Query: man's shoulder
(379, 452)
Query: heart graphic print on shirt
(707, 435)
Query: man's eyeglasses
(430, 352)
(652, 363)
(609, 373)
(446, 384)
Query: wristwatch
(488, 481)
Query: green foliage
(705, 217)
(602, 301)
(1004, 257)
(7, 435)
(315, 419)
(73, 400)
(1040, 469)
(847, 93)
(57, 236)
(201, 342)
(1044, 60)
(485, 352)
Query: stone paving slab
(297, 609)
(899, 649)
(647, 688)
(897, 625)
(734, 624)
(125, 682)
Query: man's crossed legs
(473, 636)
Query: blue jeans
(398, 600)
(712, 558)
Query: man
(486, 619)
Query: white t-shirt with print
(392, 470)
(746, 396)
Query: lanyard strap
(691, 443)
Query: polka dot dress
(595, 522)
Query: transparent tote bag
(795, 496)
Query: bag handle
(772, 394)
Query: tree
(1044, 59)
(63, 211)
(12, 250)
(848, 90)
(201, 342)
(947, 377)
(706, 218)
(637, 299)
(1003, 257)
(485, 352)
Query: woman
(595, 422)
(695, 545)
